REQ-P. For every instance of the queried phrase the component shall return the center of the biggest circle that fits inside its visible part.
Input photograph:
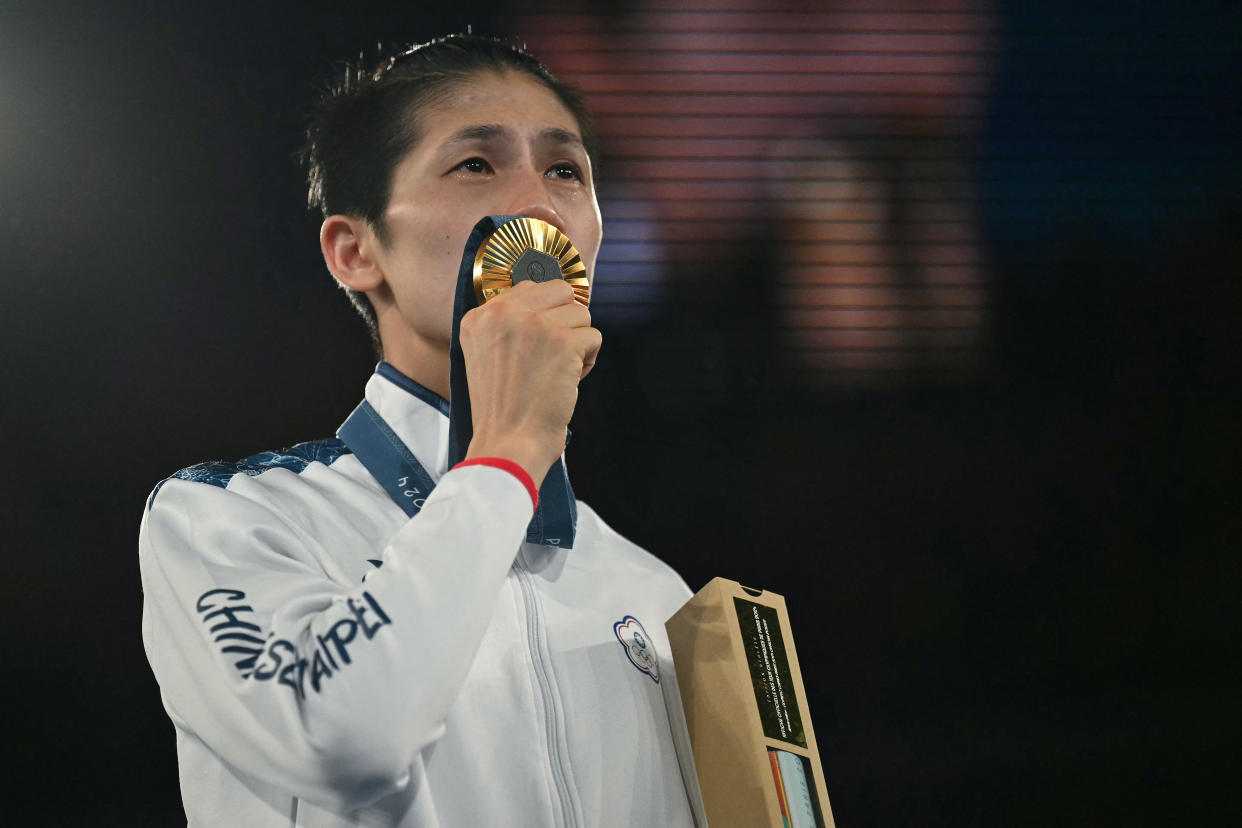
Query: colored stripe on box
(780, 787)
(797, 790)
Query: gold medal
(524, 249)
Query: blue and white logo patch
(638, 647)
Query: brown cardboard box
(741, 689)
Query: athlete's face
(498, 144)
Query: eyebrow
(494, 132)
(562, 136)
(478, 132)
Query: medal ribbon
(387, 458)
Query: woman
(349, 632)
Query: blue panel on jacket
(295, 459)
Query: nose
(530, 197)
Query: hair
(363, 125)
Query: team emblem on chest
(638, 647)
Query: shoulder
(295, 459)
(274, 505)
(617, 551)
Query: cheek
(435, 272)
(590, 247)
(424, 275)
(586, 232)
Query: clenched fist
(525, 352)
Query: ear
(347, 243)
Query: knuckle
(500, 314)
(555, 287)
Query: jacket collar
(417, 414)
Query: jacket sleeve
(327, 691)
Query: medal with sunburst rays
(528, 248)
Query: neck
(427, 366)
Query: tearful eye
(565, 171)
(474, 165)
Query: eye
(565, 171)
(474, 165)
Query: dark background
(1013, 593)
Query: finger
(588, 341)
(543, 295)
(571, 315)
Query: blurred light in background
(821, 152)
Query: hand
(526, 350)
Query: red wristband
(512, 468)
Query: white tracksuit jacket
(470, 680)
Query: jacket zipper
(553, 715)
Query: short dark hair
(366, 122)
